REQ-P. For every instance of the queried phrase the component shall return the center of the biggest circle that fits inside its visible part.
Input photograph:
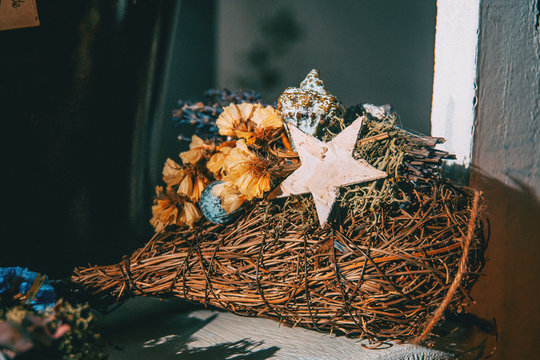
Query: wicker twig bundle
(404, 245)
(385, 274)
(399, 252)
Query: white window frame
(455, 72)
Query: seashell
(310, 107)
(211, 206)
(378, 112)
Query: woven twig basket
(375, 274)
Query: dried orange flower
(172, 209)
(188, 178)
(198, 186)
(267, 121)
(231, 197)
(165, 208)
(249, 121)
(217, 161)
(247, 172)
(235, 117)
(173, 173)
(198, 149)
(192, 184)
(190, 214)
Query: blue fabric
(45, 297)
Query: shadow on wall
(370, 51)
(280, 31)
(509, 292)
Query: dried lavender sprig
(198, 116)
(224, 97)
(202, 116)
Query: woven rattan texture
(377, 275)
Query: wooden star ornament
(325, 167)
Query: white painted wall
(507, 69)
(508, 120)
(454, 82)
(505, 161)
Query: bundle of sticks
(388, 281)
(399, 253)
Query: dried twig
(384, 283)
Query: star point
(325, 167)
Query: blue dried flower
(211, 207)
(10, 276)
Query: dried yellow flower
(231, 197)
(198, 149)
(190, 214)
(165, 209)
(267, 121)
(188, 178)
(217, 161)
(249, 121)
(192, 184)
(247, 172)
(173, 173)
(234, 117)
(170, 208)
(198, 186)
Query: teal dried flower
(28, 285)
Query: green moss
(387, 150)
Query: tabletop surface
(147, 328)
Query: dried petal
(186, 186)
(228, 120)
(248, 136)
(247, 110)
(165, 209)
(198, 186)
(173, 173)
(217, 161)
(247, 172)
(198, 149)
(267, 119)
(190, 214)
(231, 197)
